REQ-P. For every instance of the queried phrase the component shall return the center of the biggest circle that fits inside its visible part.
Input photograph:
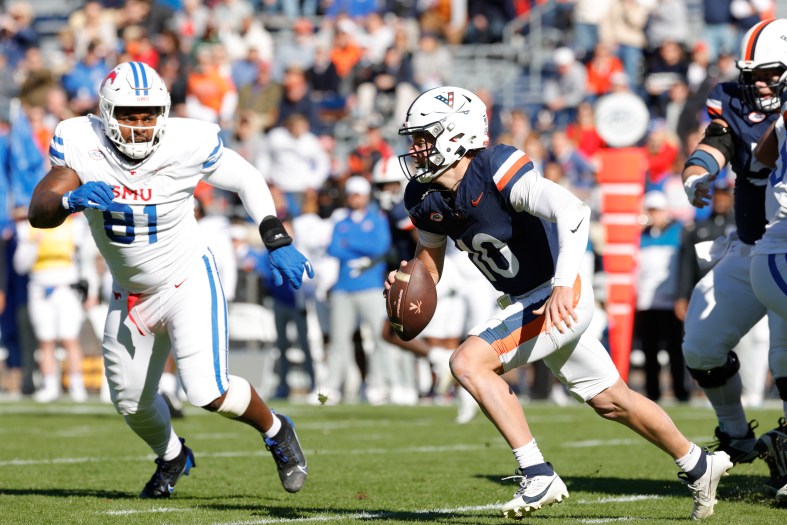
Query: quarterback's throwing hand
(291, 263)
(93, 194)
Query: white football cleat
(539, 487)
(703, 489)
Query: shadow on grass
(69, 493)
(746, 488)
(304, 513)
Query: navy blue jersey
(516, 251)
(725, 102)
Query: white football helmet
(455, 119)
(133, 84)
(764, 46)
(385, 173)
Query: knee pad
(716, 377)
(781, 386)
(237, 399)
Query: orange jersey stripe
(531, 329)
(716, 112)
(512, 171)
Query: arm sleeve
(431, 240)
(537, 196)
(234, 173)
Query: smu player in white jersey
(527, 235)
(768, 273)
(133, 171)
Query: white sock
(173, 447)
(528, 455)
(690, 460)
(275, 427)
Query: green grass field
(69, 464)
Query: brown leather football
(411, 300)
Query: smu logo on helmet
(447, 99)
(110, 77)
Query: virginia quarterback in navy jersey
(723, 306)
(527, 235)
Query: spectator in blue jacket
(360, 242)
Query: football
(411, 300)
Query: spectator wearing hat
(655, 324)
(360, 241)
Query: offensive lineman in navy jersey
(723, 307)
(527, 235)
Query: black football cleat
(162, 484)
(288, 455)
(740, 449)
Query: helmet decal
(447, 99)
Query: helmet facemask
(134, 148)
(751, 92)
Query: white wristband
(64, 201)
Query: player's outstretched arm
(703, 165)
(46, 206)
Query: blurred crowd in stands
(312, 93)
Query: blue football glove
(93, 194)
(291, 263)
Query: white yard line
(18, 462)
(368, 516)
(128, 512)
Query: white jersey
(149, 236)
(775, 238)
